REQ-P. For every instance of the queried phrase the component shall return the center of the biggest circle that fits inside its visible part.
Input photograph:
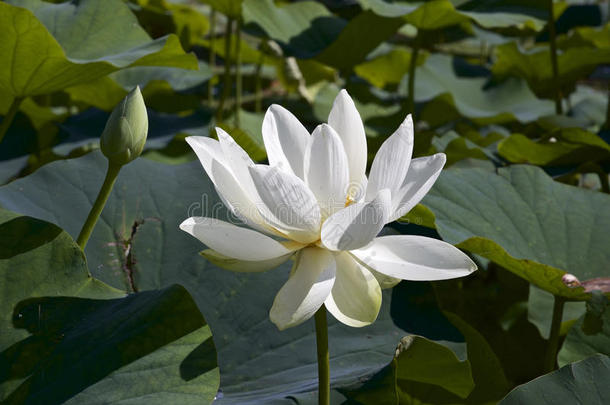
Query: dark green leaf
(583, 382)
(526, 222)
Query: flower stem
(258, 97)
(412, 67)
(10, 115)
(237, 73)
(212, 55)
(98, 206)
(553, 344)
(323, 357)
(227, 73)
(554, 63)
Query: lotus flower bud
(125, 134)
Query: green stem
(212, 55)
(98, 206)
(323, 357)
(553, 344)
(227, 75)
(607, 124)
(412, 67)
(10, 116)
(554, 63)
(237, 73)
(258, 96)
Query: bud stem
(98, 206)
(323, 357)
(412, 68)
(553, 344)
(10, 115)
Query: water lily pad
(56, 322)
(571, 146)
(526, 222)
(438, 14)
(303, 29)
(430, 373)
(469, 95)
(583, 382)
(535, 67)
(257, 362)
(48, 50)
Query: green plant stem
(323, 357)
(10, 116)
(258, 85)
(554, 63)
(212, 55)
(412, 67)
(553, 343)
(237, 73)
(98, 205)
(607, 124)
(227, 75)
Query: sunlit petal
(355, 226)
(326, 169)
(355, 299)
(421, 176)
(411, 257)
(392, 161)
(306, 290)
(345, 119)
(285, 140)
(236, 242)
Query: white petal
(285, 139)
(243, 266)
(240, 199)
(287, 203)
(392, 161)
(383, 280)
(417, 258)
(355, 226)
(236, 198)
(237, 160)
(326, 169)
(306, 290)
(345, 119)
(421, 176)
(355, 299)
(207, 150)
(236, 242)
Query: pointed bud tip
(126, 130)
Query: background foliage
(514, 92)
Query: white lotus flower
(314, 203)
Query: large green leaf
(304, 28)
(569, 147)
(584, 382)
(526, 222)
(426, 372)
(388, 68)
(422, 371)
(67, 335)
(257, 362)
(438, 14)
(55, 46)
(469, 95)
(360, 36)
(535, 67)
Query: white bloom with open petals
(314, 204)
